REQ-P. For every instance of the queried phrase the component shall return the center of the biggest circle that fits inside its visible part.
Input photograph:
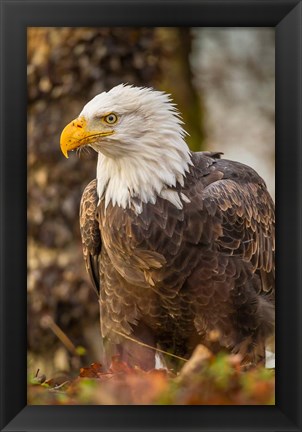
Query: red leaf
(92, 371)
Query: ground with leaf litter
(205, 379)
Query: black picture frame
(286, 17)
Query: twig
(49, 322)
(149, 346)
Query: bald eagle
(178, 245)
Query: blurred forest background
(223, 83)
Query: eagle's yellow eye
(110, 118)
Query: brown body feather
(169, 277)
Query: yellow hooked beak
(75, 134)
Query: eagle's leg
(252, 352)
(134, 353)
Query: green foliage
(220, 371)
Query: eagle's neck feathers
(121, 180)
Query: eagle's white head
(138, 135)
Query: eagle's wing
(240, 203)
(239, 225)
(90, 233)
